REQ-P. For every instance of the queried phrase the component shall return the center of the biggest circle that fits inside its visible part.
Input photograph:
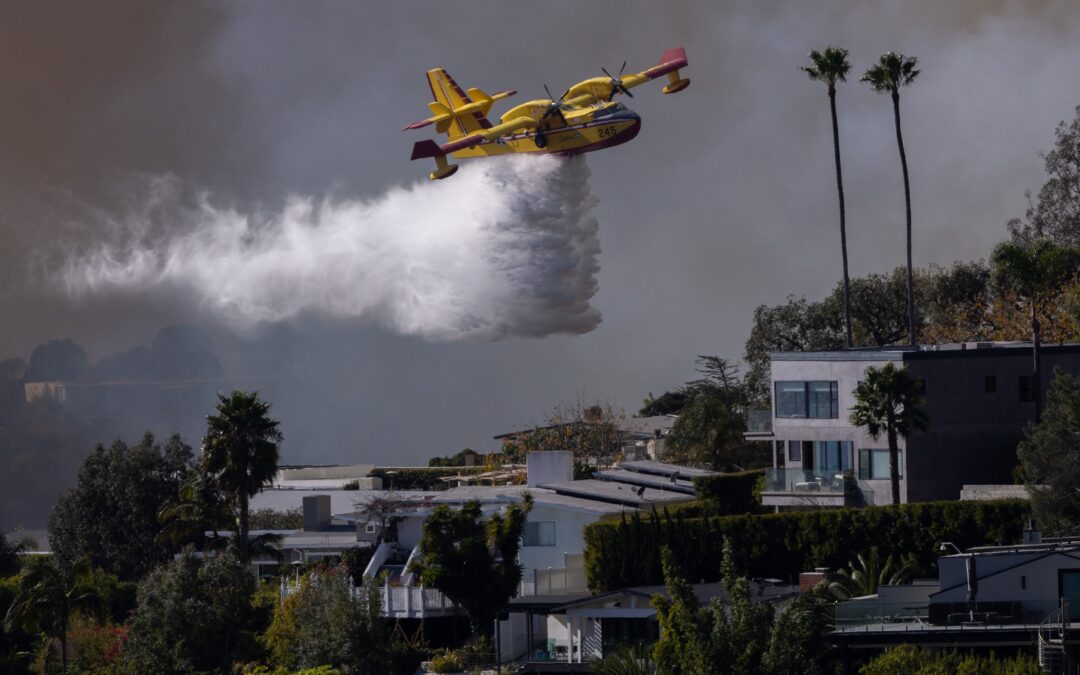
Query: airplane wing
(605, 88)
(507, 128)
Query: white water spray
(506, 247)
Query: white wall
(549, 466)
(569, 538)
(1034, 584)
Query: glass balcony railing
(871, 615)
(809, 481)
(759, 421)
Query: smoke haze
(508, 248)
(725, 200)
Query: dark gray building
(979, 396)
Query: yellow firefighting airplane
(583, 119)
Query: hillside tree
(472, 558)
(111, 515)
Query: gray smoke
(506, 247)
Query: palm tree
(240, 449)
(1034, 271)
(831, 66)
(864, 577)
(888, 401)
(891, 72)
(199, 507)
(48, 596)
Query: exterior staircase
(1052, 632)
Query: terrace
(812, 487)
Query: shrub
(731, 493)
(269, 519)
(626, 552)
(446, 662)
(911, 660)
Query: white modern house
(979, 398)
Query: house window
(874, 463)
(990, 384)
(539, 534)
(832, 457)
(812, 400)
(370, 528)
(794, 451)
(1027, 387)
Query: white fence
(400, 602)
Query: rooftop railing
(871, 616)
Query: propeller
(616, 83)
(554, 109)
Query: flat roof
(543, 497)
(663, 468)
(958, 350)
(659, 482)
(602, 490)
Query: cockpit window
(609, 110)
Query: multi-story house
(979, 397)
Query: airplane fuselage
(587, 130)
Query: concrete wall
(316, 512)
(990, 492)
(319, 472)
(973, 434)
(552, 466)
(569, 538)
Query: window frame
(532, 534)
(809, 399)
(867, 463)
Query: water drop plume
(507, 247)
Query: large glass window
(540, 533)
(814, 399)
(791, 399)
(874, 463)
(821, 400)
(832, 457)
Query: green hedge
(731, 493)
(626, 552)
(422, 478)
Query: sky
(725, 201)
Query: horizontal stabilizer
(428, 148)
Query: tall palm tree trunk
(1036, 349)
(907, 203)
(843, 225)
(242, 542)
(894, 458)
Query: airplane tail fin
(429, 148)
